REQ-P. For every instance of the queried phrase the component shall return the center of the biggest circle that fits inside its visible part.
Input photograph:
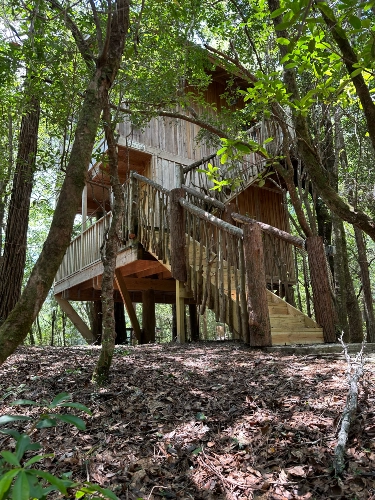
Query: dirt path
(214, 421)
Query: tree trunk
(148, 317)
(259, 320)
(174, 322)
(5, 181)
(194, 323)
(14, 257)
(323, 303)
(120, 324)
(340, 280)
(18, 323)
(366, 284)
(109, 254)
(96, 315)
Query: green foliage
(19, 479)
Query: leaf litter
(200, 421)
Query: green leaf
(21, 488)
(73, 420)
(243, 148)
(78, 406)
(60, 484)
(356, 72)
(197, 451)
(277, 12)
(80, 494)
(23, 444)
(6, 481)
(10, 458)
(37, 458)
(20, 402)
(92, 488)
(200, 416)
(6, 419)
(355, 22)
(327, 11)
(46, 422)
(60, 398)
(283, 41)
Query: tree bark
(148, 317)
(18, 323)
(109, 253)
(14, 257)
(366, 284)
(120, 325)
(323, 303)
(96, 312)
(257, 305)
(194, 323)
(340, 279)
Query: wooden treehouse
(231, 253)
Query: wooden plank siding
(266, 204)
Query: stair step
(306, 336)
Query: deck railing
(84, 249)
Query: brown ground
(214, 421)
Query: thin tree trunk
(120, 325)
(14, 257)
(4, 182)
(366, 284)
(340, 281)
(109, 254)
(18, 323)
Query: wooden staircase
(291, 326)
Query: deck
(214, 263)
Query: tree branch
(81, 43)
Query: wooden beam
(134, 284)
(128, 304)
(180, 312)
(75, 319)
(127, 256)
(159, 268)
(140, 266)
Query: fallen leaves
(200, 422)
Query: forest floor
(201, 421)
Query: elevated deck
(215, 274)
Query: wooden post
(148, 317)
(259, 320)
(178, 238)
(128, 304)
(180, 312)
(75, 319)
(194, 323)
(323, 304)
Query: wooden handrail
(150, 182)
(274, 231)
(203, 197)
(202, 214)
(198, 163)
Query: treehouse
(183, 243)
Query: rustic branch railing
(152, 214)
